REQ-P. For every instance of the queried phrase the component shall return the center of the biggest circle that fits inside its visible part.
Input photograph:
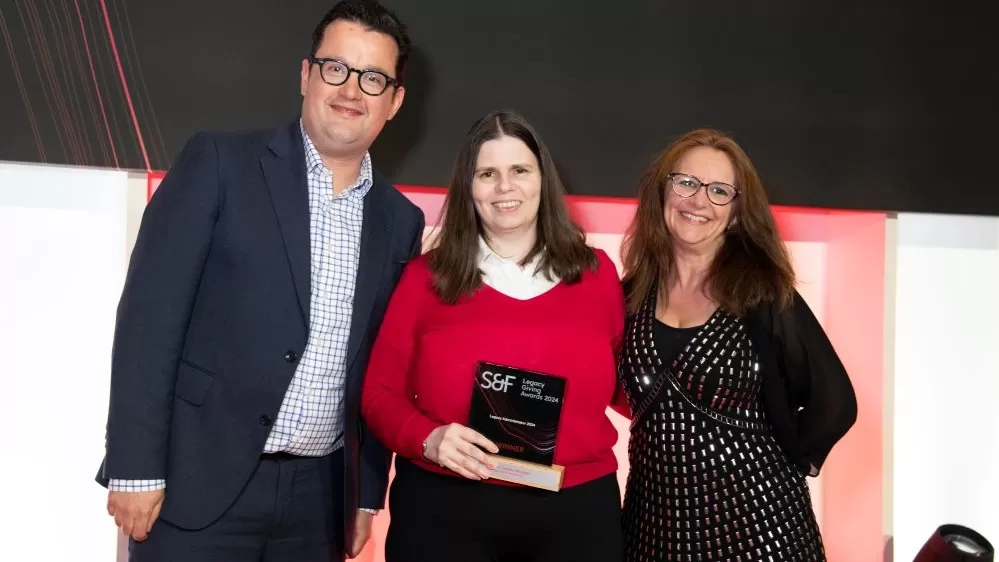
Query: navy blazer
(214, 316)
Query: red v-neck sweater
(422, 367)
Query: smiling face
(506, 187)
(695, 222)
(343, 121)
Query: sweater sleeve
(387, 395)
(610, 284)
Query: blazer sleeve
(164, 271)
(822, 398)
(375, 458)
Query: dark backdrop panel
(863, 105)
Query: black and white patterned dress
(708, 480)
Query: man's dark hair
(374, 17)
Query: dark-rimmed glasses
(335, 73)
(686, 185)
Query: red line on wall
(21, 89)
(97, 86)
(124, 85)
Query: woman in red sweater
(511, 282)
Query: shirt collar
(314, 166)
(487, 255)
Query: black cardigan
(806, 391)
(807, 394)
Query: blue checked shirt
(309, 422)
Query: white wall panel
(946, 381)
(63, 252)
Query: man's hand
(362, 532)
(135, 512)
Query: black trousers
(290, 511)
(442, 518)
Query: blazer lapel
(376, 239)
(284, 171)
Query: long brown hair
(560, 242)
(751, 267)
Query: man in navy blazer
(259, 278)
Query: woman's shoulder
(417, 265)
(605, 264)
(604, 270)
(421, 261)
(780, 318)
(605, 278)
(416, 274)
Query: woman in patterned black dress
(736, 393)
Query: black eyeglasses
(336, 73)
(686, 186)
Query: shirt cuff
(368, 510)
(117, 485)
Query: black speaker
(954, 543)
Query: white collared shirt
(509, 278)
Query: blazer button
(291, 357)
(265, 420)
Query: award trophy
(519, 411)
